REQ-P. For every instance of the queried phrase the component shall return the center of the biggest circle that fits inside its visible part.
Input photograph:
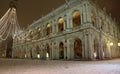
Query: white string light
(9, 24)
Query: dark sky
(31, 10)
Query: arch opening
(61, 50)
(96, 48)
(60, 24)
(77, 48)
(47, 52)
(76, 18)
(48, 29)
(38, 51)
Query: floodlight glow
(95, 55)
(25, 56)
(38, 56)
(111, 44)
(118, 44)
(47, 55)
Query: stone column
(86, 46)
(56, 26)
(81, 15)
(90, 43)
(42, 53)
(34, 52)
(64, 24)
(57, 50)
(42, 31)
(88, 12)
(53, 27)
(109, 50)
(50, 57)
(72, 48)
(68, 20)
(104, 27)
(65, 50)
(13, 52)
(52, 50)
(84, 14)
(68, 49)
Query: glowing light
(103, 54)
(48, 25)
(38, 56)
(118, 44)
(95, 55)
(39, 29)
(3, 55)
(61, 20)
(47, 55)
(9, 24)
(111, 44)
(25, 56)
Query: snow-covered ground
(20, 66)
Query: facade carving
(77, 30)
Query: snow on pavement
(27, 66)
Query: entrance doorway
(61, 50)
(77, 48)
(47, 52)
(96, 49)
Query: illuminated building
(78, 29)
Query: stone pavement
(28, 66)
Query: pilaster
(90, 44)
(86, 45)
(84, 13)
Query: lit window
(76, 19)
(48, 29)
(60, 24)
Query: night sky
(31, 10)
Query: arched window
(60, 24)
(76, 19)
(48, 29)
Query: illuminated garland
(9, 25)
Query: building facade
(78, 29)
